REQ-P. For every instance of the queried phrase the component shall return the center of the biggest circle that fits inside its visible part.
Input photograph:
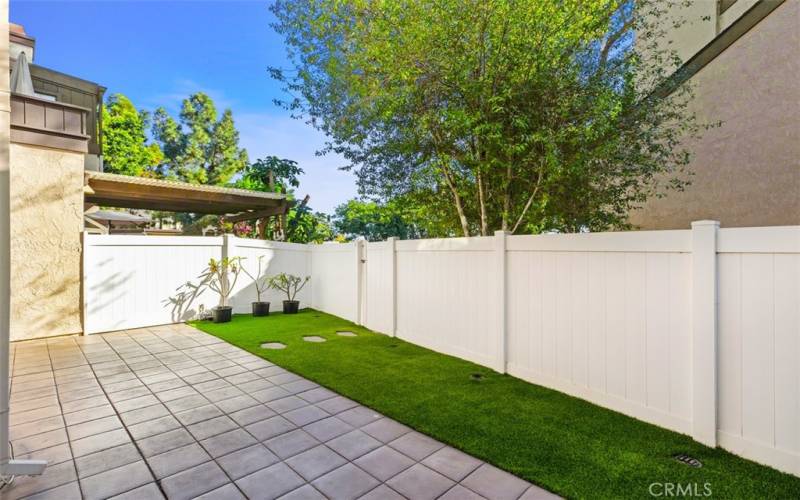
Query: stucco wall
(46, 225)
(746, 172)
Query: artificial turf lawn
(561, 443)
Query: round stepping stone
(314, 338)
(273, 345)
(345, 333)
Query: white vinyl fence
(695, 330)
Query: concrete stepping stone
(313, 338)
(346, 333)
(273, 345)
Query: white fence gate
(696, 330)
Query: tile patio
(173, 412)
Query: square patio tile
(337, 404)
(153, 427)
(382, 492)
(359, 416)
(492, 482)
(315, 462)
(306, 492)
(194, 482)
(305, 415)
(458, 492)
(155, 445)
(132, 404)
(384, 463)
(270, 427)
(115, 481)
(416, 445)
(92, 427)
(111, 458)
(147, 492)
(186, 403)
(40, 441)
(199, 414)
(270, 483)
(270, 394)
(177, 460)
(140, 415)
(80, 416)
(354, 444)
(69, 491)
(420, 482)
(287, 404)
(252, 415)
(246, 461)
(98, 442)
(386, 429)
(317, 395)
(345, 483)
(291, 443)
(227, 442)
(328, 428)
(211, 427)
(226, 492)
(237, 403)
(452, 463)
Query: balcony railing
(51, 124)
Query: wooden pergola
(123, 191)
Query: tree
(202, 148)
(375, 221)
(271, 173)
(526, 116)
(281, 175)
(125, 147)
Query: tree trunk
(507, 199)
(462, 217)
(482, 203)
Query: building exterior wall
(46, 225)
(747, 171)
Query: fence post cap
(701, 223)
(500, 232)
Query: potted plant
(221, 276)
(290, 285)
(259, 308)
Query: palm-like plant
(221, 276)
(259, 281)
(288, 284)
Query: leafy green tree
(375, 221)
(271, 174)
(524, 115)
(125, 147)
(281, 175)
(202, 147)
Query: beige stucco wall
(746, 172)
(46, 225)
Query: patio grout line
(135, 444)
(183, 426)
(283, 460)
(69, 441)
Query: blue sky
(157, 53)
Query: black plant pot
(222, 314)
(260, 309)
(291, 306)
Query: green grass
(562, 443)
